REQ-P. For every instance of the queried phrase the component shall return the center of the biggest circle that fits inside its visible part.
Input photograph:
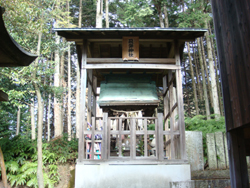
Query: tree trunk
(99, 13)
(40, 119)
(216, 72)
(39, 138)
(203, 80)
(187, 92)
(78, 90)
(57, 104)
(3, 169)
(165, 15)
(212, 75)
(193, 80)
(197, 74)
(158, 7)
(107, 13)
(63, 85)
(18, 121)
(80, 15)
(207, 73)
(48, 121)
(69, 93)
(32, 116)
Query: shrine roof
(188, 34)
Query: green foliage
(200, 123)
(20, 156)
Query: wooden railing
(129, 138)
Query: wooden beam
(132, 66)
(172, 109)
(169, 83)
(91, 84)
(141, 60)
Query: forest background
(44, 97)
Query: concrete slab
(105, 175)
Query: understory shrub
(20, 155)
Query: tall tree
(18, 120)
(212, 74)
(107, 13)
(203, 80)
(165, 15)
(206, 73)
(32, 117)
(78, 82)
(3, 169)
(99, 13)
(193, 80)
(57, 81)
(69, 87)
(158, 5)
(40, 118)
(216, 71)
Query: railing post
(159, 136)
(105, 136)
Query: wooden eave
(3, 96)
(11, 53)
(73, 34)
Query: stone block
(182, 184)
(194, 149)
(211, 151)
(226, 150)
(220, 150)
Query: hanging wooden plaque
(130, 48)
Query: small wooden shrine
(11, 53)
(130, 65)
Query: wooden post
(145, 138)
(132, 139)
(237, 159)
(93, 138)
(105, 136)
(180, 102)
(82, 103)
(160, 137)
(232, 28)
(120, 137)
(172, 118)
(90, 82)
(166, 110)
(94, 95)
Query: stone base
(182, 184)
(106, 175)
